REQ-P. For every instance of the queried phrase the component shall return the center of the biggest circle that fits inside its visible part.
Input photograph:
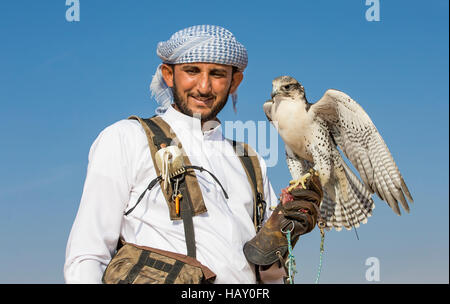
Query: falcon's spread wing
(357, 137)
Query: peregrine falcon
(313, 135)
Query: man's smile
(202, 101)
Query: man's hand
(297, 212)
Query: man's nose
(204, 84)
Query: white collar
(180, 123)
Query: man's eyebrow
(218, 70)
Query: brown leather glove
(297, 212)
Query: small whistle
(177, 203)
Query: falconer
(201, 66)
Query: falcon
(313, 135)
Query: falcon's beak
(274, 92)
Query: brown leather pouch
(135, 264)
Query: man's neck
(214, 121)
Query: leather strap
(186, 215)
(172, 270)
(252, 168)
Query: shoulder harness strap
(252, 168)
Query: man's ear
(237, 78)
(167, 74)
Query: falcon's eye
(288, 87)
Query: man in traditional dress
(201, 66)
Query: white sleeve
(106, 192)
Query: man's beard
(183, 105)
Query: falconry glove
(297, 212)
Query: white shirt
(120, 168)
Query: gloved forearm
(297, 212)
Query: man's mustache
(203, 96)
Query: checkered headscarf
(200, 43)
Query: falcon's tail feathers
(353, 210)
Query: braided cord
(322, 239)
(290, 260)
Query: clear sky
(62, 82)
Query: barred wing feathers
(358, 138)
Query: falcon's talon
(294, 184)
(313, 172)
(302, 180)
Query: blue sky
(62, 82)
